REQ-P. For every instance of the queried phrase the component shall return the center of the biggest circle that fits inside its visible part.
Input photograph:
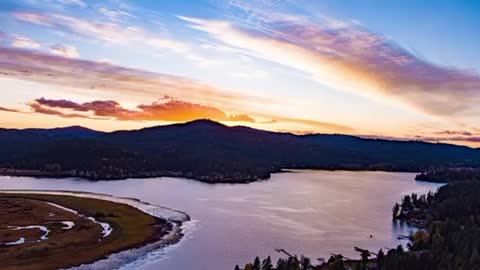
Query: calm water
(308, 212)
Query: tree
(281, 264)
(237, 267)
(267, 264)
(248, 266)
(336, 263)
(256, 264)
(305, 263)
(365, 255)
(380, 258)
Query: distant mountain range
(211, 152)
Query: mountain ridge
(213, 123)
(212, 152)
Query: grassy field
(65, 248)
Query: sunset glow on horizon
(293, 66)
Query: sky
(400, 69)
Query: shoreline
(171, 233)
(154, 174)
(226, 180)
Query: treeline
(449, 238)
(413, 209)
(452, 236)
(282, 264)
(450, 175)
(335, 262)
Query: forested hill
(211, 152)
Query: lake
(305, 212)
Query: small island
(41, 230)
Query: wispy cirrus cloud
(346, 56)
(24, 42)
(79, 3)
(67, 51)
(109, 32)
(116, 15)
(168, 109)
(34, 17)
(336, 127)
(104, 77)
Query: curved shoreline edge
(181, 225)
(36, 174)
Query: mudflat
(53, 231)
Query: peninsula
(40, 230)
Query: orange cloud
(177, 110)
(324, 126)
(170, 109)
(8, 109)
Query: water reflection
(309, 212)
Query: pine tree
(380, 258)
(336, 263)
(267, 264)
(256, 264)
(305, 263)
(281, 264)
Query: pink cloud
(454, 132)
(95, 76)
(345, 56)
(109, 32)
(64, 51)
(24, 42)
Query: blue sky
(403, 69)
(443, 31)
